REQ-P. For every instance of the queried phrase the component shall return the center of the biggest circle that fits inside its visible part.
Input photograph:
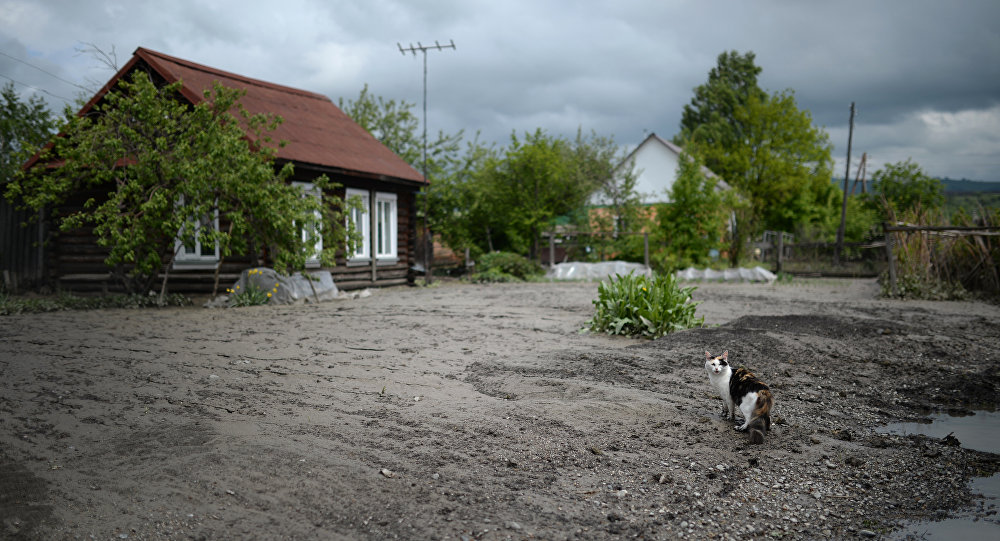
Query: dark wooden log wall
(22, 260)
(75, 261)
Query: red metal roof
(316, 131)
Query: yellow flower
(237, 287)
(275, 285)
(269, 295)
(275, 290)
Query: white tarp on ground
(742, 274)
(595, 271)
(294, 289)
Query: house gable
(655, 163)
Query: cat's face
(717, 365)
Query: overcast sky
(925, 74)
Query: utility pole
(843, 208)
(428, 241)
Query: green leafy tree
(694, 222)
(711, 117)
(786, 164)
(904, 186)
(862, 220)
(765, 147)
(462, 207)
(24, 127)
(534, 181)
(167, 166)
(391, 122)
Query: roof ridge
(144, 52)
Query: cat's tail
(761, 421)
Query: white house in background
(655, 163)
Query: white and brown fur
(741, 387)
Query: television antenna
(428, 242)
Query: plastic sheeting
(595, 271)
(294, 289)
(742, 274)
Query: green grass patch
(11, 304)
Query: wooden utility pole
(862, 175)
(428, 241)
(847, 176)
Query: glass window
(385, 227)
(360, 219)
(192, 250)
(385, 222)
(311, 232)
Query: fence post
(781, 250)
(645, 248)
(891, 261)
(552, 250)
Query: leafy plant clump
(10, 305)
(506, 267)
(252, 295)
(637, 305)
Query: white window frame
(316, 231)
(386, 232)
(386, 227)
(361, 224)
(186, 259)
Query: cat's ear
(725, 355)
(708, 355)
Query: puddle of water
(980, 431)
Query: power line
(65, 99)
(49, 73)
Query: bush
(253, 294)
(637, 305)
(505, 267)
(493, 276)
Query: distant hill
(969, 186)
(952, 186)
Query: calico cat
(741, 387)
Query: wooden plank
(939, 228)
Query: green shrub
(505, 267)
(252, 294)
(493, 276)
(637, 305)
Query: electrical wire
(65, 99)
(45, 71)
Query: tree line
(485, 197)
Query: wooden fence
(857, 259)
(934, 231)
(561, 246)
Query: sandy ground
(481, 412)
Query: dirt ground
(481, 412)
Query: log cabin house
(320, 139)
